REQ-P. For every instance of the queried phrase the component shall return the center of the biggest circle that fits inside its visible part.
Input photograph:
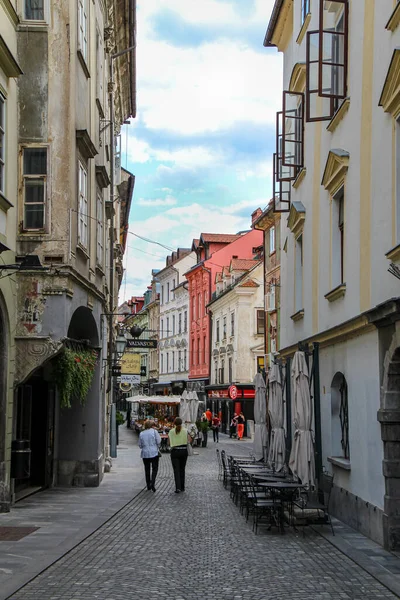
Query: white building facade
(174, 321)
(337, 177)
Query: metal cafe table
(285, 490)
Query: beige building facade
(336, 184)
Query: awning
(166, 400)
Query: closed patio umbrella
(260, 442)
(184, 409)
(277, 446)
(301, 461)
(193, 406)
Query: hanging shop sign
(116, 371)
(130, 378)
(125, 387)
(130, 363)
(135, 343)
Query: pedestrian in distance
(208, 414)
(178, 441)
(149, 444)
(240, 426)
(233, 425)
(216, 424)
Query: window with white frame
(173, 361)
(215, 372)
(260, 322)
(180, 360)
(305, 9)
(34, 174)
(338, 238)
(167, 362)
(167, 332)
(162, 294)
(224, 328)
(162, 363)
(230, 369)
(34, 10)
(185, 359)
(100, 229)
(173, 324)
(180, 322)
(217, 331)
(299, 274)
(272, 240)
(83, 206)
(162, 328)
(232, 324)
(2, 142)
(185, 321)
(83, 28)
(168, 291)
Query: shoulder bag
(155, 439)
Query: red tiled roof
(249, 283)
(243, 264)
(219, 237)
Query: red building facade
(213, 252)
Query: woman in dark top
(240, 426)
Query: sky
(201, 144)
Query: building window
(305, 9)
(162, 363)
(224, 329)
(168, 291)
(185, 322)
(272, 240)
(338, 239)
(200, 307)
(221, 372)
(198, 351)
(34, 187)
(83, 28)
(180, 360)
(194, 308)
(215, 372)
(167, 362)
(260, 364)
(173, 287)
(340, 417)
(162, 294)
(232, 324)
(167, 331)
(185, 359)
(100, 230)
(173, 361)
(180, 323)
(260, 322)
(299, 274)
(34, 10)
(83, 207)
(162, 328)
(217, 331)
(230, 368)
(205, 350)
(205, 299)
(2, 143)
(173, 324)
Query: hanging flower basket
(74, 371)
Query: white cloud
(140, 151)
(167, 201)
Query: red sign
(233, 392)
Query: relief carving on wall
(32, 353)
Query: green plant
(119, 418)
(204, 426)
(74, 370)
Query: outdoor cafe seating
(280, 498)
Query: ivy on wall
(74, 371)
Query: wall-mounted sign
(116, 371)
(130, 378)
(233, 392)
(130, 363)
(125, 387)
(141, 343)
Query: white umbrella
(184, 409)
(194, 407)
(301, 461)
(277, 447)
(260, 441)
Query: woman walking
(240, 426)
(178, 440)
(149, 443)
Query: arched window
(340, 417)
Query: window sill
(303, 29)
(84, 65)
(83, 251)
(394, 20)
(300, 176)
(338, 116)
(342, 463)
(298, 316)
(394, 254)
(336, 293)
(100, 270)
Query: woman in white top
(149, 443)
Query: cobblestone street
(197, 545)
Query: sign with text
(116, 371)
(135, 343)
(129, 378)
(130, 363)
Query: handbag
(155, 439)
(190, 449)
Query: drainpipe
(317, 412)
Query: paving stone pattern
(196, 546)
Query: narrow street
(196, 545)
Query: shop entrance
(35, 423)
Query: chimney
(255, 215)
(235, 256)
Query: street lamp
(120, 345)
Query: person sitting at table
(149, 443)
